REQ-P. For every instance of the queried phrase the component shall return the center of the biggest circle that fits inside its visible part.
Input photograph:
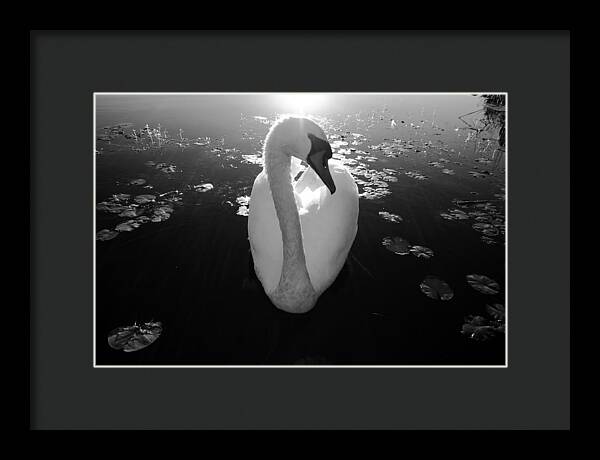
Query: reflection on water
(173, 180)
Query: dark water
(193, 271)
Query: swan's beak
(320, 153)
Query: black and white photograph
(300, 229)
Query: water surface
(182, 257)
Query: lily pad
(480, 329)
(496, 311)
(483, 284)
(436, 289)
(130, 212)
(481, 226)
(161, 213)
(490, 232)
(111, 207)
(243, 200)
(415, 175)
(396, 245)
(454, 214)
(127, 226)
(105, 235)
(421, 251)
(141, 199)
(134, 338)
(137, 182)
(477, 174)
(390, 217)
(203, 187)
(252, 159)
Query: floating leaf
(141, 199)
(396, 245)
(243, 200)
(252, 159)
(203, 187)
(127, 226)
(137, 182)
(491, 232)
(415, 175)
(454, 214)
(480, 329)
(421, 251)
(483, 284)
(481, 226)
(390, 217)
(134, 338)
(130, 212)
(161, 213)
(105, 235)
(112, 207)
(496, 311)
(435, 288)
(477, 174)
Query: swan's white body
(309, 234)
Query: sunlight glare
(301, 103)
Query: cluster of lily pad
(476, 327)
(140, 209)
(244, 203)
(487, 218)
(163, 167)
(481, 328)
(373, 183)
(397, 146)
(402, 247)
(113, 131)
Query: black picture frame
(66, 68)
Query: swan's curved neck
(277, 167)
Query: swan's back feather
(328, 229)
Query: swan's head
(304, 139)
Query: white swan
(300, 233)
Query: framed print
(300, 230)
